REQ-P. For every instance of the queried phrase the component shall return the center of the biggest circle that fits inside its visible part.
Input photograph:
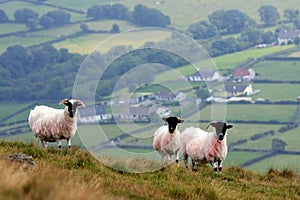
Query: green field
(104, 42)
(279, 162)
(231, 61)
(251, 112)
(278, 70)
(277, 92)
(290, 138)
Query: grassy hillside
(75, 174)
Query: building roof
(204, 73)
(139, 111)
(97, 109)
(240, 72)
(235, 88)
(166, 94)
(289, 34)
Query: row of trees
(48, 73)
(31, 18)
(141, 14)
(39, 73)
(233, 21)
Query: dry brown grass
(75, 174)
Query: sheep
(166, 139)
(52, 125)
(205, 147)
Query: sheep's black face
(221, 129)
(172, 123)
(72, 107)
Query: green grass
(107, 25)
(24, 41)
(11, 6)
(277, 92)
(245, 131)
(278, 70)
(78, 4)
(238, 158)
(104, 42)
(11, 28)
(279, 162)
(281, 113)
(290, 138)
(231, 61)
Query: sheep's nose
(171, 130)
(221, 137)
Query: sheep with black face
(166, 139)
(52, 125)
(205, 147)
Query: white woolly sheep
(52, 125)
(166, 139)
(204, 147)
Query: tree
(297, 23)
(234, 21)
(3, 16)
(23, 15)
(46, 22)
(32, 23)
(230, 21)
(115, 28)
(115, 11)
(17, 60)
(95, 12)
(268, 15)
(145, 16)
(54, 89)
(203, 30)
(291, 14)
(59, 17)
(84, 27)
(216, 18)
(297, 41)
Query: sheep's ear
(229, 126)
(213, 123)
(180, 120)
(81, 103)
(165, 118)
(64, 101)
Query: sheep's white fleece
(202, 146)
(165, 143)
(49, 123)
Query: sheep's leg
(185, 160)
(44, 144)
(194, 165)
(177, 157)
(69, 142)
(214, 166)
(220, 165)
(58, 143)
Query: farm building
(238, 90)
(133, 114)
(93, 114)
(241, 74)
(284, 37)
(205, 74)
